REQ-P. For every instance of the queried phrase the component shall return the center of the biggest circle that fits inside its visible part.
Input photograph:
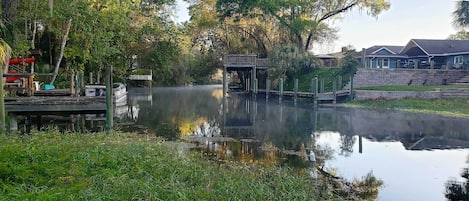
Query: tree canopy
(303, 20)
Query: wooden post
(432, 64)
(248, 85)
(91, 77)
(256, 83)
(225, 89)
(334, 90)
(253, 78)
(315, 91)
(2, 104)
(281, 89)
(267, 88)
(296, 89)
(109, 105)
(77, 84)
(351, 88)
(360, 144)
(72, 83)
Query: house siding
(393, 62)
(465, 65)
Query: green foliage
(460, 35)
(288, 62)
(349, 63)
(203, 67)
(54, 166)
(461, 14)
(302, 20)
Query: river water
(415, 155)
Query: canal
(415, 155)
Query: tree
(461, 14)
(303, 20)
(286, 61)
(460, 35)
(458, 191)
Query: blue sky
(405, 20)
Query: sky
(405, 20)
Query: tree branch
(335, 12)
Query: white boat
(119, 92)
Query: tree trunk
(64, 42)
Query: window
(385, 63)
(458, 60)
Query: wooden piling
(334, 90)
(109, 108)
(72, 83)
(281, 89)
(267, 88)
(351, 88)
(314, 89)
(256, 85)
(296, 90)
(225, 85)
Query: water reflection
(414, 154)
(422, 151)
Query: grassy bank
(447, 107)
(412, 88)
(54, 166)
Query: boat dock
(68, 104)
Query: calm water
(414, 154)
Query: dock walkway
(81, 104)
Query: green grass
(411, 88)
(54, 166)
(447, 107)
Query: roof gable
(436, 47)
(383, 50)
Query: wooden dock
(323, 97)
(68, 104)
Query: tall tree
(304, 20)
(461, 14)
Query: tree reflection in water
(456, 190)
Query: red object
(12, 79)
(19, 60)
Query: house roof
(432, 47)
(382, 51)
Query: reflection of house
(381, 56)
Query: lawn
(67, 166)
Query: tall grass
(54, 166)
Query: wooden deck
(329, 96)
(68, 104)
